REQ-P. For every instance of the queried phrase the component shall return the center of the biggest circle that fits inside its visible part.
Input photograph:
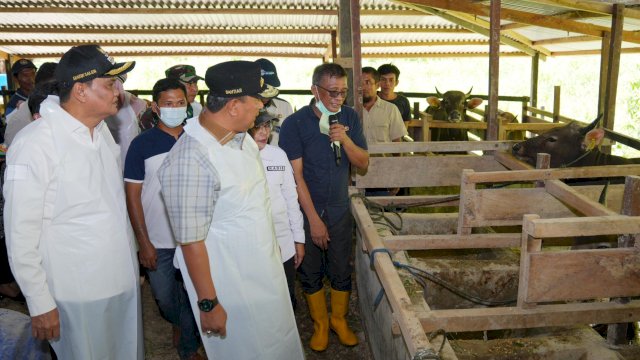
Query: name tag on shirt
(275, 168)
(17, 172)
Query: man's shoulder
(36, 136)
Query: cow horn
(469, 93)
(591, 126)
(438, 92)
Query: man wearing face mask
(148, 214)
(311, 144)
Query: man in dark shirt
(389, 79)
(312, 144)
(24, 72)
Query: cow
(450, 106)
(570, 145)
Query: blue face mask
(323, 109)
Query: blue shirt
(300, 137)
(145, 146)
(12, 104)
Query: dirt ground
(158, 334)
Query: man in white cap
(69, 239)
(216, 194)
(280, 108)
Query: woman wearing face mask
(148, 215)
(285, 210)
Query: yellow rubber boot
(339, 309)
(318, 310)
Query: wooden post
(543, 161)
(416, 110)
(604, 66)
(617, 333)
(613, 70)
(494, 70)
(346, 50)
(556, 104)
(528, 244)
(465, 205)
(357, 56)
(535, 62)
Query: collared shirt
(190, 181)
(281, 109)
(146, 153)
(287, 217)
(12, 104)
(383, 122)
(300, 138)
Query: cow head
(451, 105)
(565, 144)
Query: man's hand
(319, 233)
(148, 256)
(214, 322)
(299, 256)
(46, 326)
(338, 132)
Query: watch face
(207, 305)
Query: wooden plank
(595, 7)
(614, 194)
(534, 127)
(583, 226)
(504, 204)
(556, 104)
(527, 245)
(415, 337)
(555, 174)
(535, 63)
(418, 171)
(478, 319)
(472, 241)
(578, 201)
(421, 200)
(604, 68)
(465, 209)
(439, 124)
(438, 146)
(510, 162)
(583, 275)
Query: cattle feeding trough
(502, 247)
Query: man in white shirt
(381, 119)
(276, 106)
(70, 243)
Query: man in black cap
(216, 196)
(69, 239)
(24, 72)
(280, 108)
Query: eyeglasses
(333, 93)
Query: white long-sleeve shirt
(285, 210)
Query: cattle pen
(493, 278)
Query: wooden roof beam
(570, 15)
(482, 27)
(565, 40)
(184, 53)
(601, 8)
(49, 29)
(472, 8)
(155, 43)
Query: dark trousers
(334, 262)
(290, 273)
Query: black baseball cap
(20, 65)
(87, 62)
(184, 73)
(268, 72)
(238, 78)
(263, 117)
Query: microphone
(337, 152)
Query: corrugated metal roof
(303, 28)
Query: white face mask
(173, 116)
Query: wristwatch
(207, 305)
